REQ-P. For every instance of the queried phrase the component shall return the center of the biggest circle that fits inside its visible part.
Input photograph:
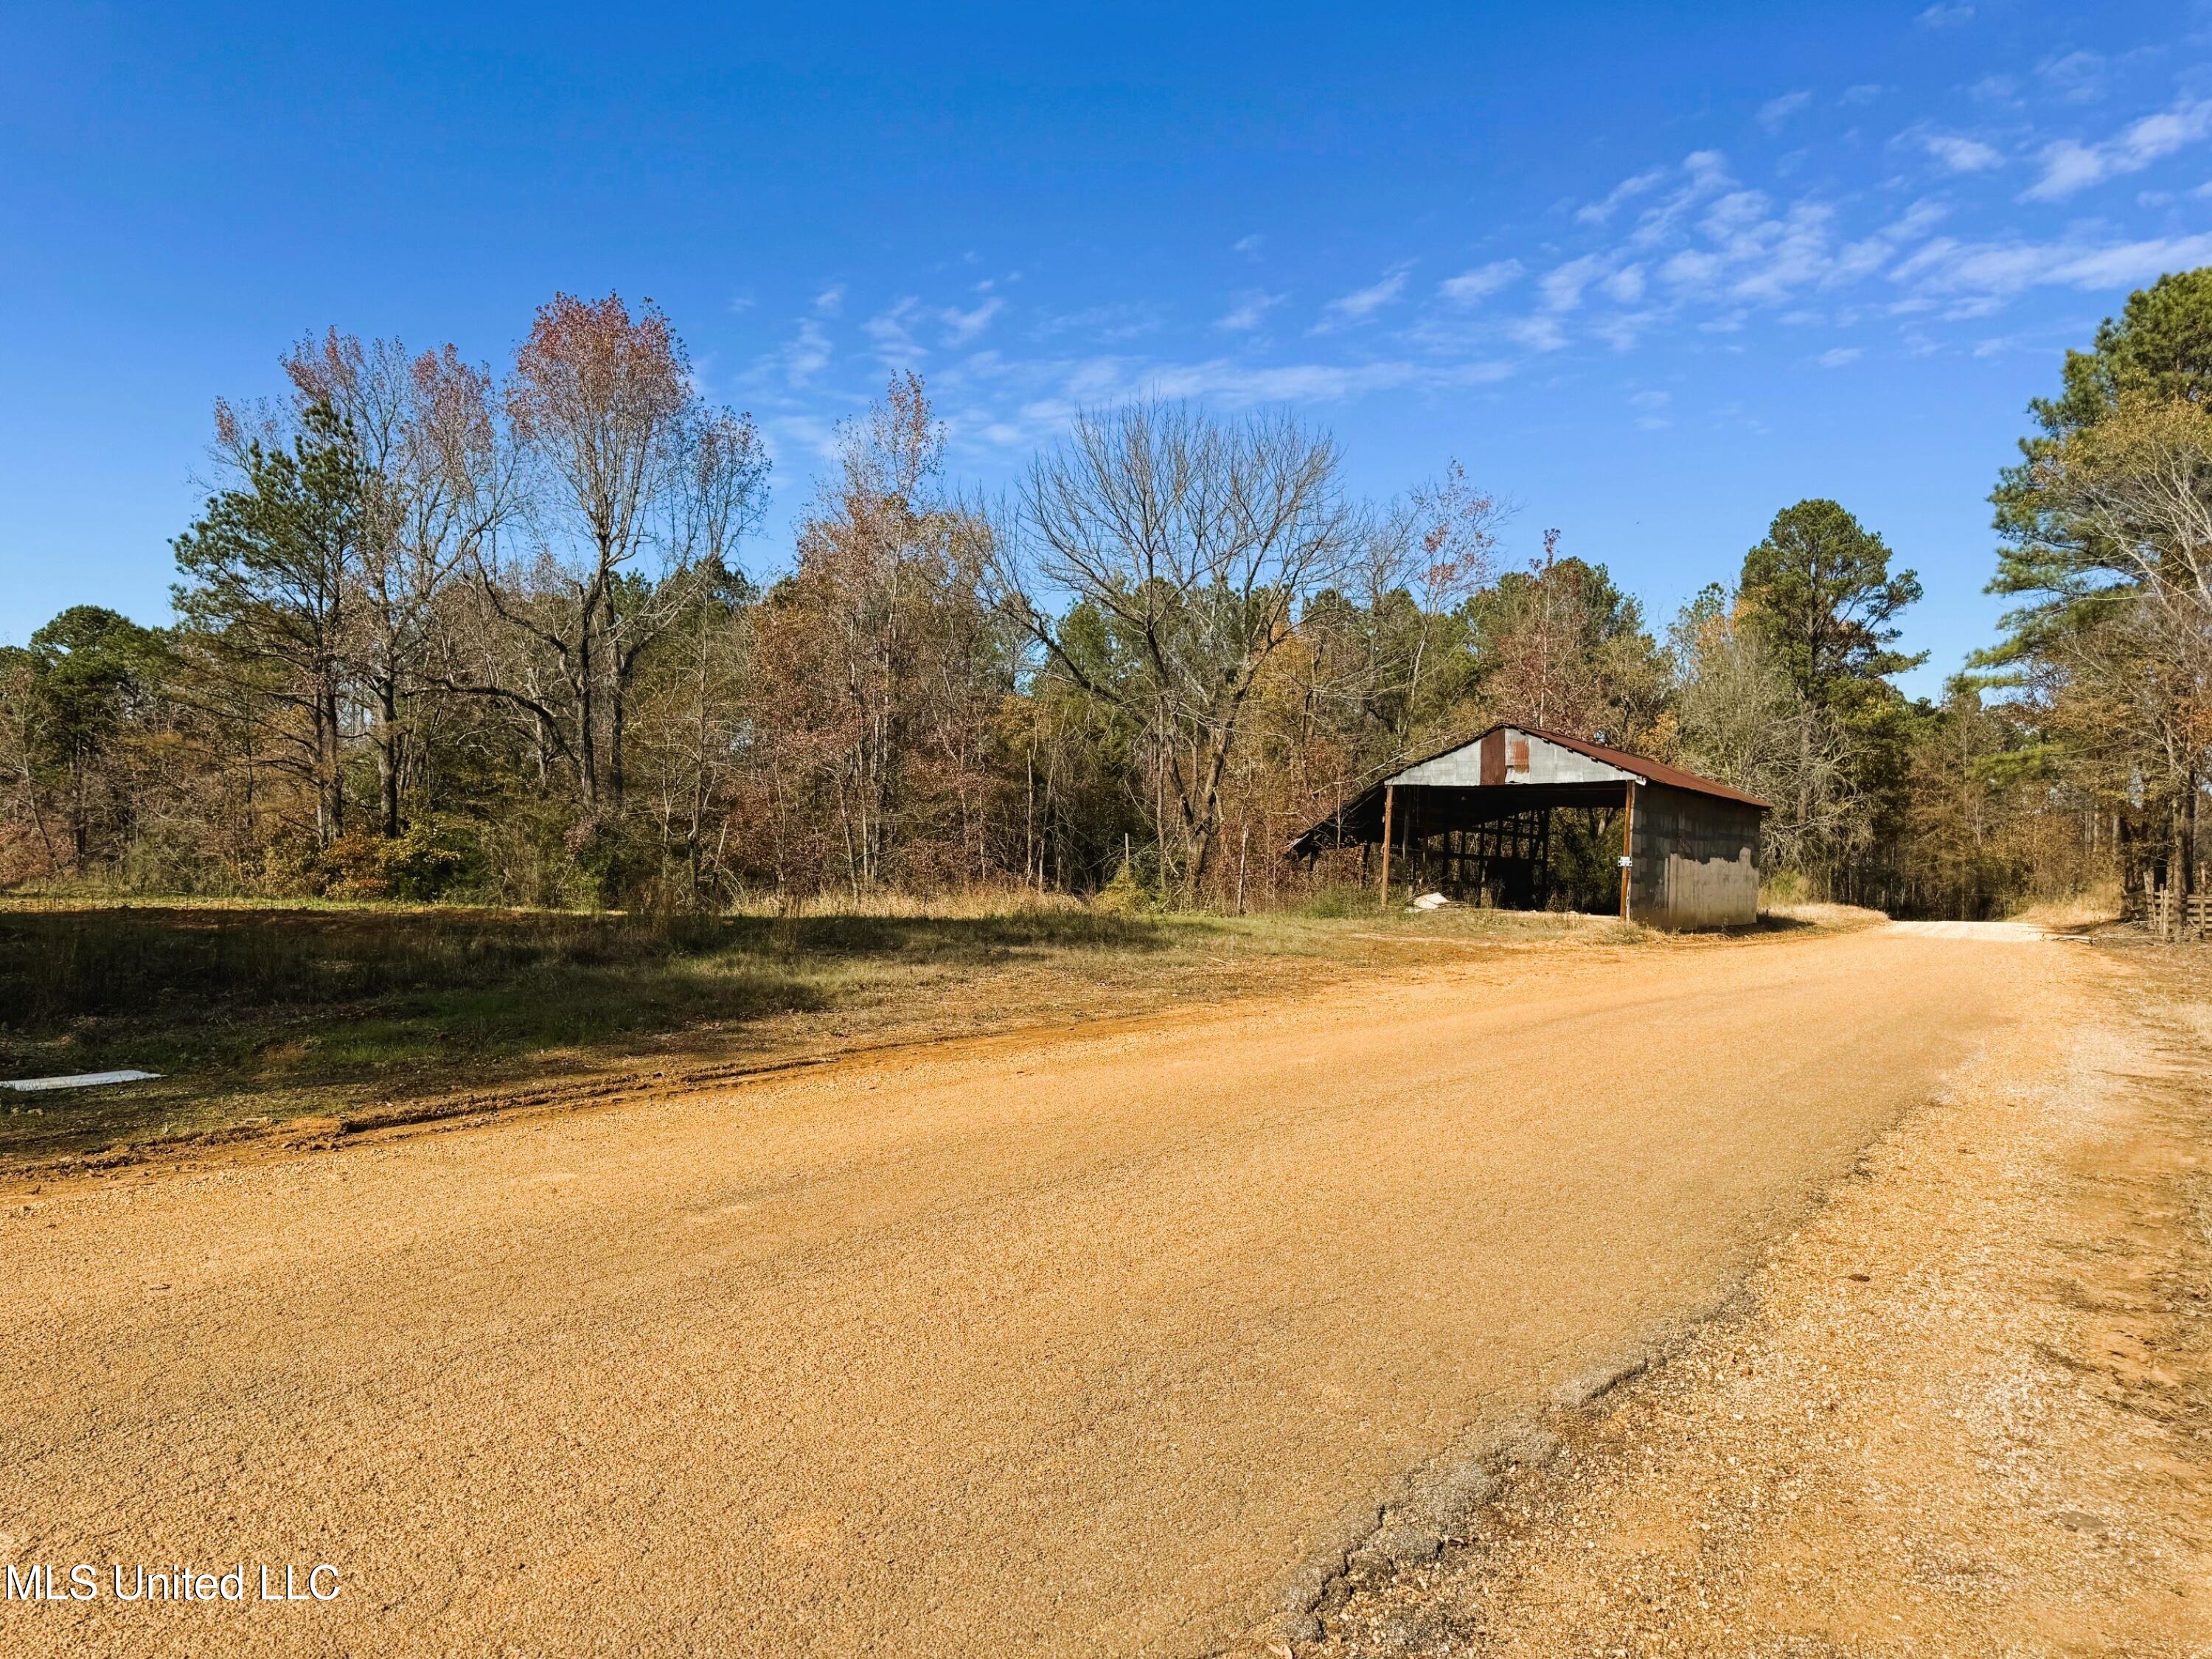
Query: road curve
(1070, 1347)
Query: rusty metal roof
(1367, 802)
(1651, 771)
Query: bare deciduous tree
(1196, 540)
(881, 636)
(623, 462)
(437, 480)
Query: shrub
(1122, 896)
(1334, 904)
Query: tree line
(444, 632)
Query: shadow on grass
(246, 1008)
(58, 966)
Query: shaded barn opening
(1524, 819)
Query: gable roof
(1362, 814)
(1650, 771)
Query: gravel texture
(1965, 1411)
(1070, 1344)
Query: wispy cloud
(892, 331)
(1835, 272)
(1054, 391)
(1356, 308)
(1537, 333)
(1999, 269)
(1561, 287)
(1775, 113)
(1470, 287)
(2077, 78)
(1248, 309)
(1598, 212)
(962, 326)
(1124, 320)
(1945, 17)
(1961, 154)
(2070, 166)
(806, 354)
(1703, 175)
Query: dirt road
(1965, 1411)
(1075, 1347)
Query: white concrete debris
(1429, 901)
(81, 1080)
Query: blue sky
(1651, 272)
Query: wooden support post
(1627, 848)
(1389, 800)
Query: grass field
(263, 1013)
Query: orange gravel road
(1077, 1346)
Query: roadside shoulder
(1965, 1410)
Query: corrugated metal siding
(1509, 754)
(1538, 760)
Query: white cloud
(1994, 269)
(1688, 247)
(1596, 213)
(1248, 309)
(1775, 113)
(1945, 16)
(1361, 304)
(1705, 175)
(962, 327)
(1119, 321)
(1480, 284)
(1064, 388)
(2069, 166)
(1562, 287)
(1961, 154)
(810, 433)
(1856, 261)
(1248, 245)
(807, 354)
(2078, 78)
(1537, 333)
(892, 329)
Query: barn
(1528, 819)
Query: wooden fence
(2168, 913)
